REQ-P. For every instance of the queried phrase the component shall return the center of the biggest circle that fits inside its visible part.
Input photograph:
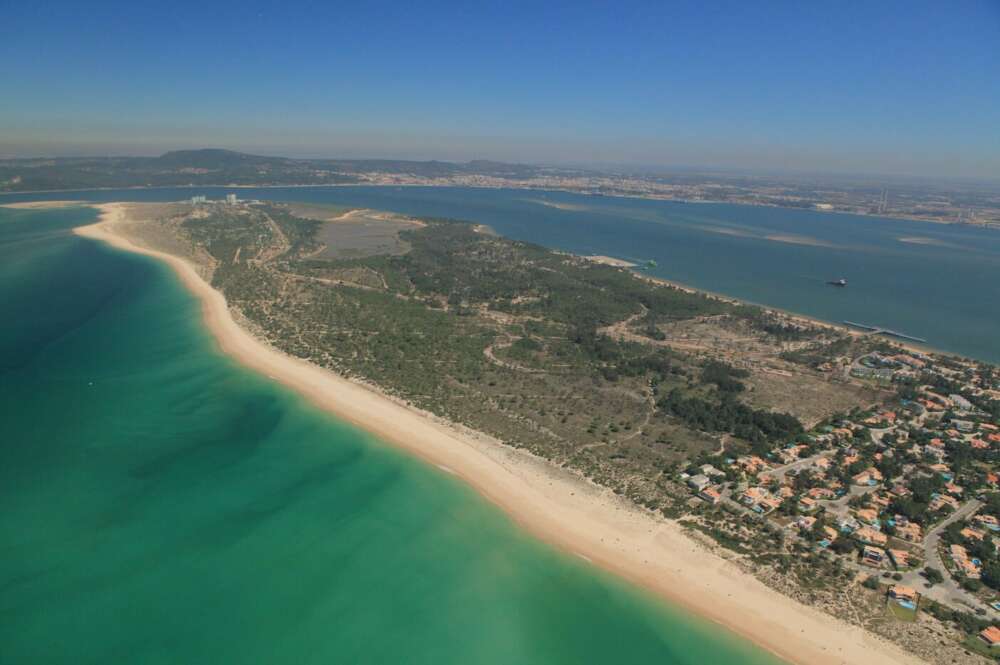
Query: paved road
(780, 472)
(839, 507)
(948, 591)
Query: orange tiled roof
(990, 635)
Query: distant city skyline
(902, 88)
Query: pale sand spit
(554, 505)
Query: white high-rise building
(231, 199)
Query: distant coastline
(514, 187)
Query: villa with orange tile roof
(752, 464)
(759, 499)
(989, 522)
(904, 593)
(885, 416)
(820, 493)
(791, 454)
(879, 500)
(843, 433)
(869, 515)
(900, 558)
(910, 532)
(807, 505)
(943, 500)
(991, 636)
(870, 536)
(869, 476)
(960, 556)
(711, 495)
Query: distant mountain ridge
(216, 166)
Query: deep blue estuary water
(933, 281)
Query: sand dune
(934, 242)
(552, 504)
(575, 207)
(789, 238)
(799, 240)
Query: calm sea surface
(937, 282)
(160, 504)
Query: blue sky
(906, 87)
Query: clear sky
(909, 86)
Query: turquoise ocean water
(937, 282)
(160, 504)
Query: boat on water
(838, 282)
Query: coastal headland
(553, 504)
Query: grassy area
(507, 337)
(977, 646)
(899, 612)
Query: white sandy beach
(550, 503)
(41, 205)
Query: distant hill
(213, 166)
(214, 158)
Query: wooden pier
(876, 330)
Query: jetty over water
(877, 330)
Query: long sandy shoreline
(548, 502)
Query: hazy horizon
(898, 89)
(608, 167)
